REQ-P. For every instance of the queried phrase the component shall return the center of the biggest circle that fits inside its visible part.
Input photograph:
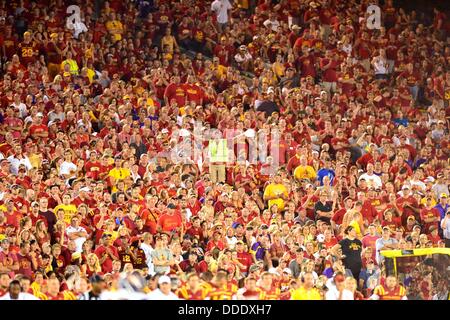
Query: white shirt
(159, 295)
(22, 296)
(418, 183)
(372, 180)
(243, 57)
(78, 27)
(22, 107)
(71, 229)
(273, 24)
(380, 65)
(221, 7)
(148, 257)
(15, 163)
(333, 294)
(66, 167)
(231, 242)
(123, 294)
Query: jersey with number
(272, 294)
(385, 294)
(185, 293)
(26, 52)
(225, 292)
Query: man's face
(4, 280)
(14, 291)
(74, 222)
(391, 282)
(5, 245)
(192, 258)
(251, 285)
(165, 287)
(66, 199)
(107, 241)
(43, 202)
(308, 280)
(193, 282)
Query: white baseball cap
(164, 279)
(287, 270)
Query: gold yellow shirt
(116, 28)
(423, 201)
(305, 172)
(303, 294)
(69, 211)
(276, 190)
(35, 160)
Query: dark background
(423, 5)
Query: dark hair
(17, 282)
(348, 229)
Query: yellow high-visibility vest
(218, 150)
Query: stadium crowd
(93, 204)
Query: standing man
(384, 243)
(106, 253)
(351, 248)
(222, 9)
(445, 225)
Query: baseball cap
(34, 204)
(39, 114)
(411, 217)
(164, 130)
(254, 267)
(443, 195)
(287, 270)
(235, 225)
(405, 187)
(240, 242)
(76, 255)
(164, 279)
(85, 189)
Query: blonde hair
(97, 267)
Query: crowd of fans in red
(90, 111)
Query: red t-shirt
(107, 264)
(169, 222)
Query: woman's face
(92, 260)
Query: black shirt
(352, 251)
(51, 220)
(325, 207)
